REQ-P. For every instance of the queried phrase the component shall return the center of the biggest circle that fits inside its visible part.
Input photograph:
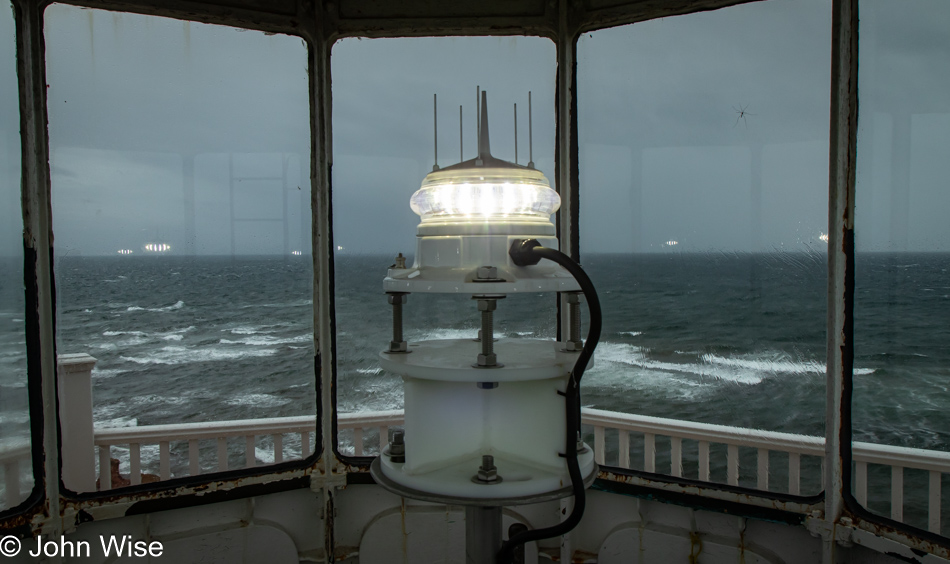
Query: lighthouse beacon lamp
(489, 422)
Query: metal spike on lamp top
(484, 148)
(485, 188)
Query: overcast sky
(710, 130)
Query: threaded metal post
(398, 344)
(397, 322)
(574, 342)
(487, 305)
(575, 313)
(488, 332)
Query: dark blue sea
(733, 339)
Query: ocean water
(734, 339)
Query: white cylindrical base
(451, 422)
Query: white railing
(250, 430)
(11, 455)
(897, 459)
(366, 431)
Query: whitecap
(182, 355)
(266, 340)
(121, 421)
(439, 334)
(264, 455)
(106, 373)
(373, 371)
(258, 400)
(175, 306)
(631, 333)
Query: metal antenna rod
(478, 117)
(530, 135)
(460, 134)
(435, 130)
(516, 133)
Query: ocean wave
(122, 421)
(739, 370)
(265, 340)
(117, 333)
(631, 333)
(264, 455)
(160, 399)
(258, 400)
(183, 355)
(14, 417)
(767, 365)
(372, 371)
(175, 306)
(439, 334)
(106, 373)
(248, 330)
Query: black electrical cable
(525, 253)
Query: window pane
(15, 461)
(902, 299)
(703, 213)
(382, 150)
(180, 193)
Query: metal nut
(487, 359)
(487, 472)
(486, 273)
(401, 346)
(574, 346)
(573, 297)
(397, 447)
(396, 298)
(487, 305)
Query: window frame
(319, 24)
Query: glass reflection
(703, 221)
(383, 149)
(902, 297)
(180, 195)
(15, 461)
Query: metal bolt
(487, 303)
(400, 261)
(487, 472)
(398, 344)
(487, 358)
(397, 447)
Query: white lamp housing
(509, 404)
(470, 216)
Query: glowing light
(823, 237)
(296, 253)
(157, 247)
(339, 247)
(672, 243)
(489, 194)
(124, 251)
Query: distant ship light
(157, 247)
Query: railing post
(75, 422)
(11, 481)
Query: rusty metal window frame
(49, 496)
